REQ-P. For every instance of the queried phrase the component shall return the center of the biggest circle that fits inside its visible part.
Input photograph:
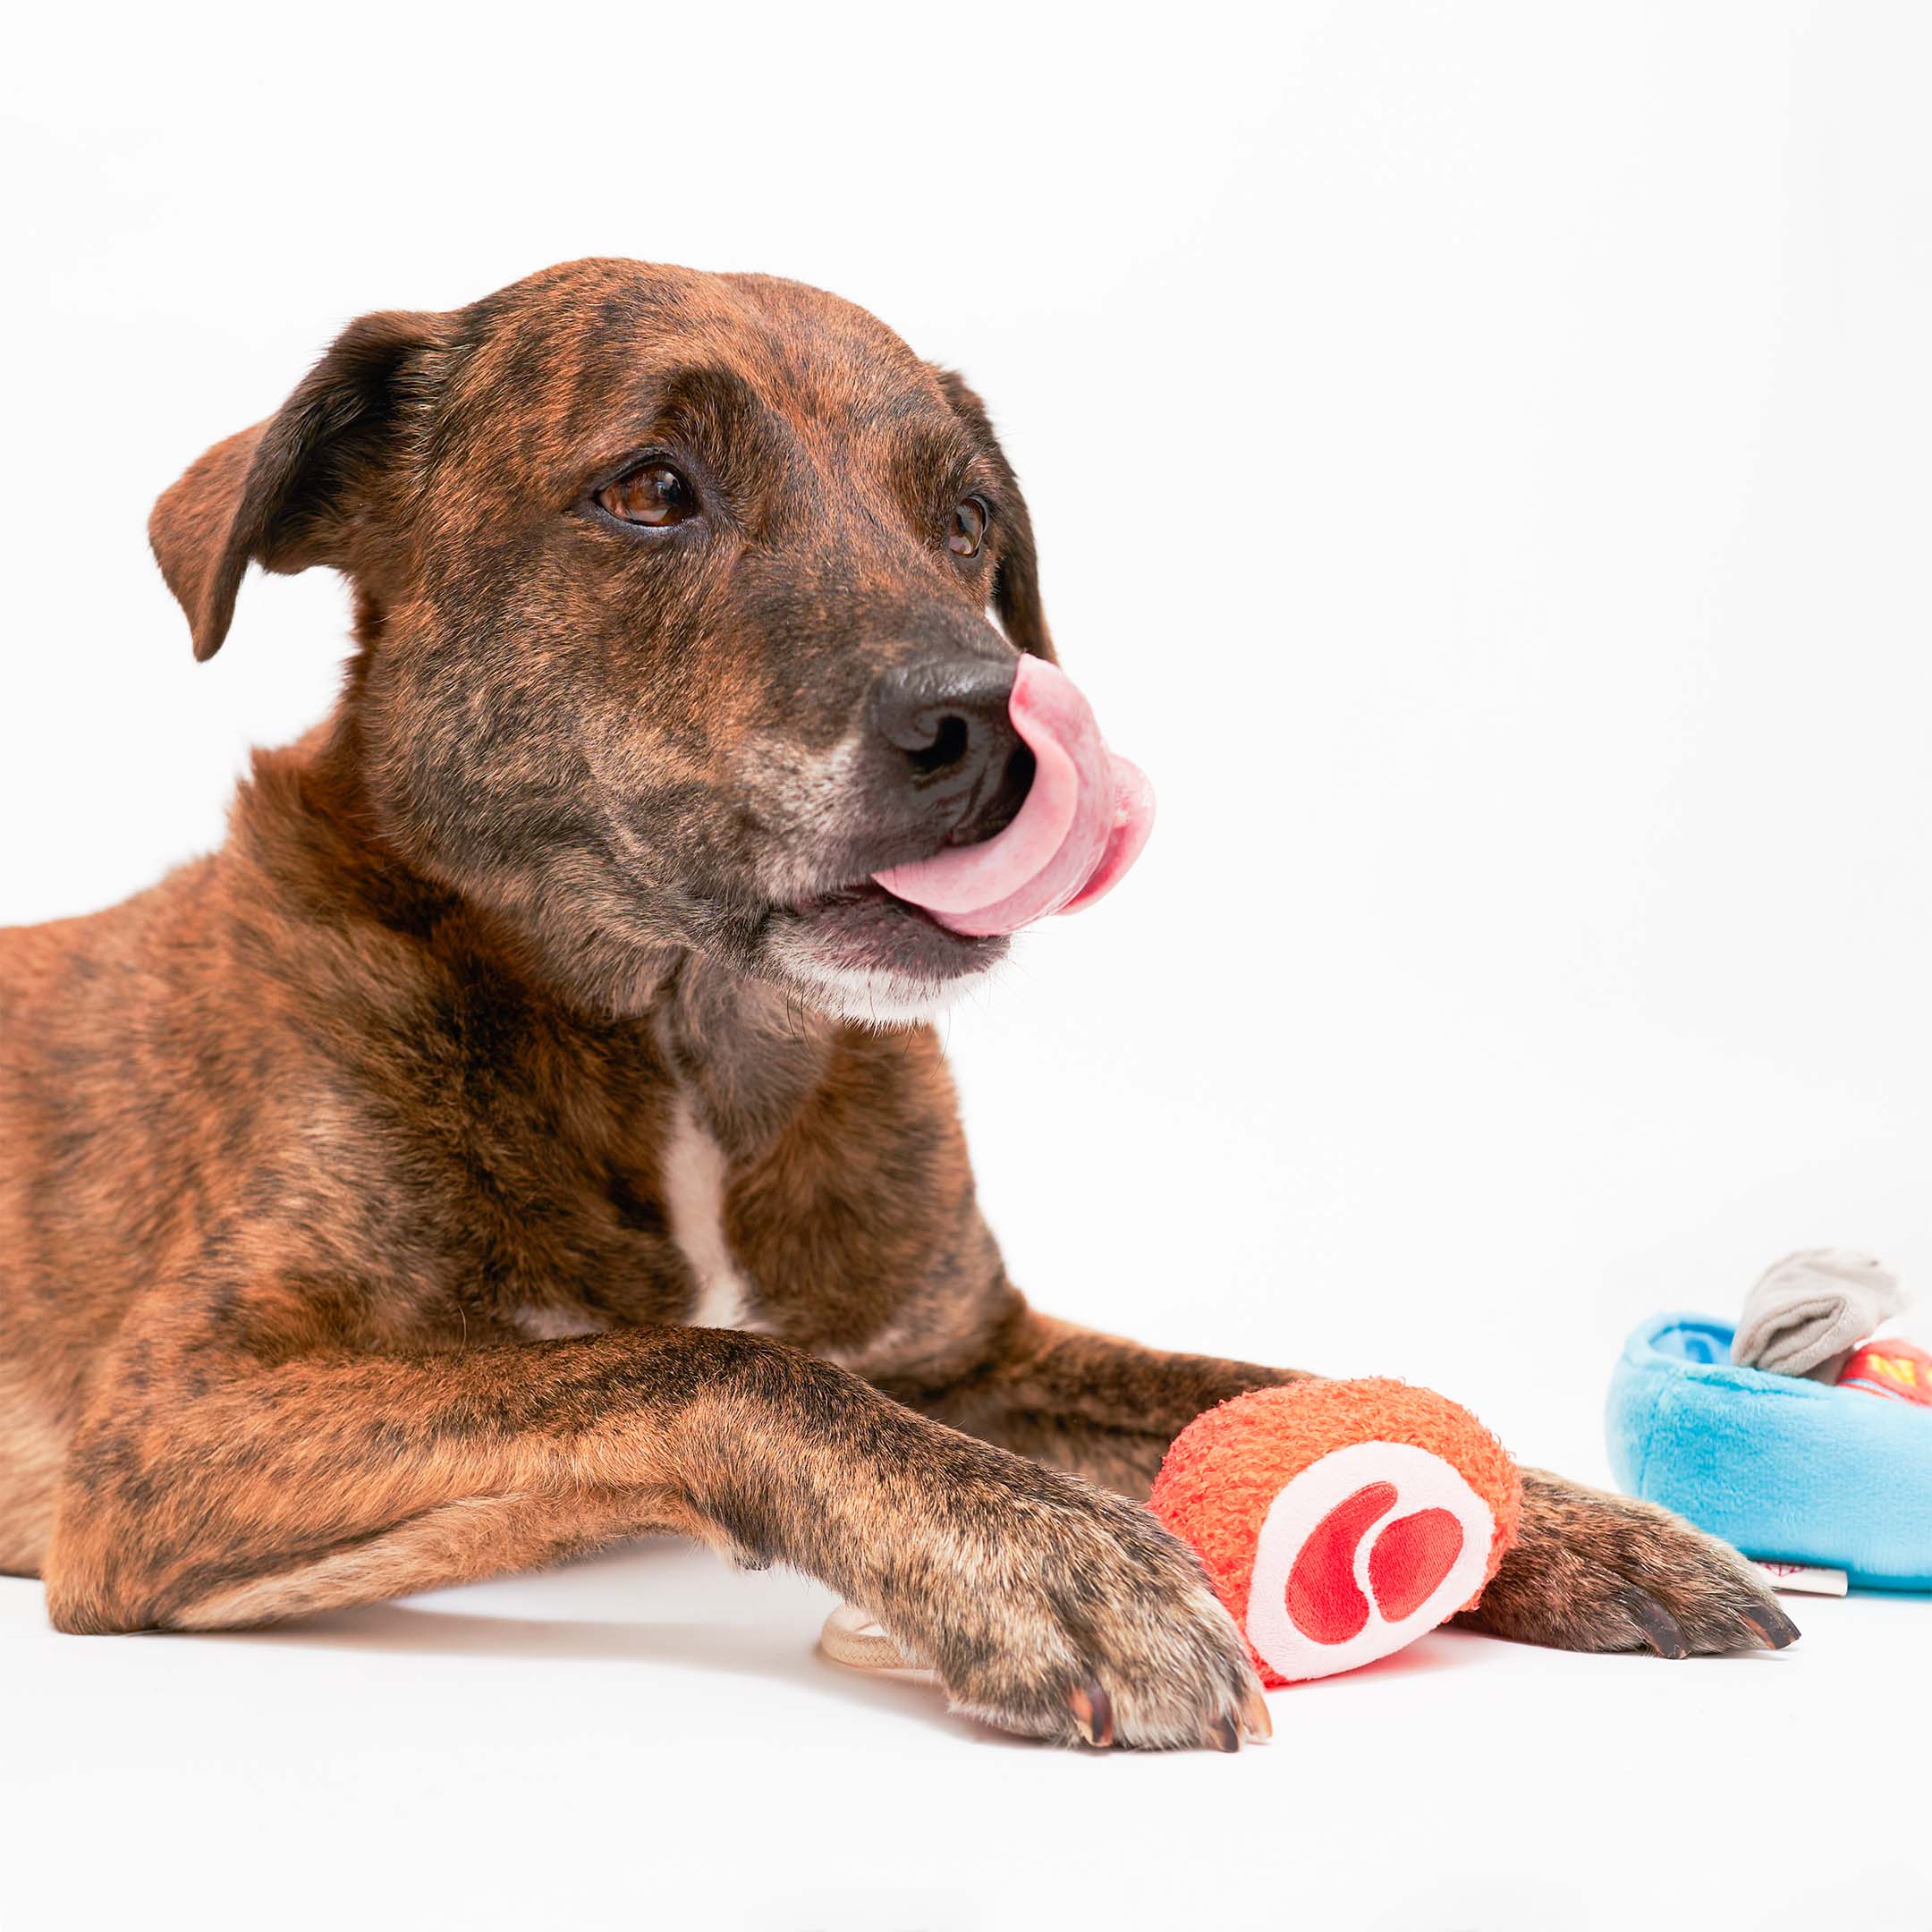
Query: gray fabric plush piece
(1811, 1309)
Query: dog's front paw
(1591, 1571)
(1076, 1617)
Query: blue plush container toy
(1788, 1470)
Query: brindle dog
(493, 1149)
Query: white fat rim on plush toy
(1421, 1481)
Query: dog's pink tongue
(1087, 815)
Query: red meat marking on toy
(1324, 1603)
(1410, 1558)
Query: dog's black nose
(952, 744)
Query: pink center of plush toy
(1086, 817)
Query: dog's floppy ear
(294, 490)
(1016, 583)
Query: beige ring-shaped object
(852, 1636)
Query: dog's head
(677, 597)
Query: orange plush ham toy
(1339, 1521)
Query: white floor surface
(651, 1740)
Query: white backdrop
(1480, 455)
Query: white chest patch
(694, 1174)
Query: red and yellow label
(1893, 1369)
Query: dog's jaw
(830, 935)
(882, 996)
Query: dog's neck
(746, 1055)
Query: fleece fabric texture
(1811, 1309)
(1225, 1467)
(1787, 1470)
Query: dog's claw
(1660, 1629)
(1773, 1629)
(1222, 1734)
(1255, 1711)
(1093, 1712)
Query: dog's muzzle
(1019, 749)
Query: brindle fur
(300, 1148)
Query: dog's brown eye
(968, 528)
(653, 494)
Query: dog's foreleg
(195, 1499)
(1098, 1404)
(257, 1492)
